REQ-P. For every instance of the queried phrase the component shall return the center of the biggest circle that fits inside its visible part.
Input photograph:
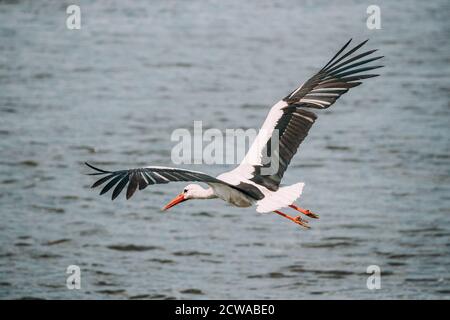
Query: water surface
(376, 165)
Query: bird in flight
(256, 180)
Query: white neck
(204, 194)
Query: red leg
(305, 211)
(296, 220)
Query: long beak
(178, 199)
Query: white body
(273, 200)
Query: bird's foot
(306, 212)
(311, 214)
(298, 220)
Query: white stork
(289, 121)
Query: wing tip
(114, 196)
(96, 169)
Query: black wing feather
(102, 180)
(134, 182)
(113, 182)
(119, 187)
(335, 75)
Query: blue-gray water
(376, 165)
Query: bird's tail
(281, 198)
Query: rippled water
(376, 165)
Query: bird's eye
(185, 190)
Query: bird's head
(191, 191)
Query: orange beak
(178, 199)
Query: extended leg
(305, 211)
(296, 220)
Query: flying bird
(256, 181)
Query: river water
(376, 164)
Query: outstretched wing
(289, 122)
(334, 79)
(143, 177)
